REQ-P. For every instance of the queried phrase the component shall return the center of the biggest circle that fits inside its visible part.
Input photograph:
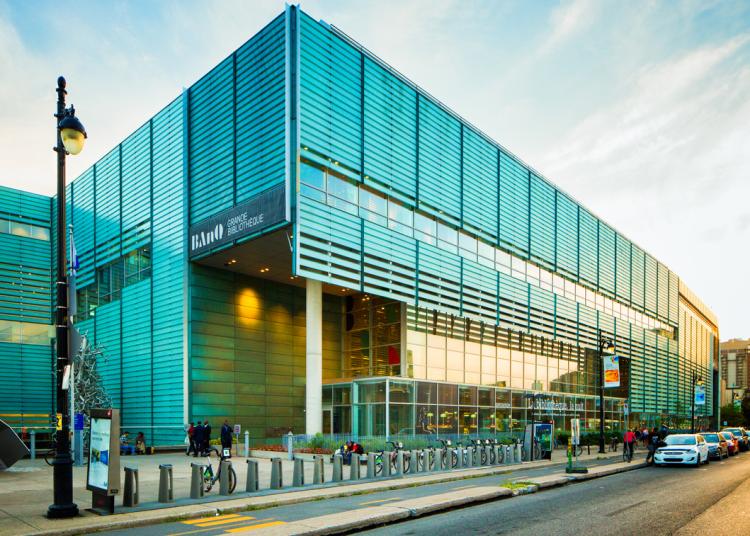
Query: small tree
(746, 406)
(732, 415)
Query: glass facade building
(305, 240)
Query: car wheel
(708, 460)
(697, 461)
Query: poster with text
(611, 371)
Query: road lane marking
(224, 521)
(258, 526)
(206, 519)
(380, 501)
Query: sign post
(575, 442)
(237, 431)
(103, 476)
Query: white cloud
(569, 19)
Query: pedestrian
(191, 440)
(628, 442)
(206, 436)
(198, 439)
(653, 444)
(140, 443)
(644, 436)
(226, 437)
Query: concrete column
(314, 358)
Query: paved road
(282, 514)
(653, 501)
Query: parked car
(717, 445)
(732, 444)
(686, 449)
(741, 435)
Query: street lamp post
(695, 379)
(603, 344)
(70, 140)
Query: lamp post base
(61, 511)
(62, 475)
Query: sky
(640, 110)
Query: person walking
(644, 436)
(198, 439)
(206, 437)
(628, 443)
(653, 444)
(191, 439)
(226, 437)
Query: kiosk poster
(611, 371)
(104, 455)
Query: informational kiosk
(103, 477)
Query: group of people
(651, 439)
(127, 448)
(199, 437)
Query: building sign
(251, 216)
(551, 404)
(611, 371)
(700, 395)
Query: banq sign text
(249, 217)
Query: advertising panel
(104, 452)
(611, 371)
(700, 395)
(575, 431)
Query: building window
(15, 332)
(27, 230)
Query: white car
(688, 449)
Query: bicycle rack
(337, 468)
(225, 466)
(370, 465)
(252, 476)
(400, 463)
(276, 476)
(196, 480)
(298, 477)
(354, 466)
(166, 483)
(386, 461)
(131, 489)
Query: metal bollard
(338, 471)
(488, 455)
(400, 463)
(444, 460)
(426, 461)
(196, 480)
(298, 477)
(469, 457)
(252, 476)
(290, 445)
(32, 444)
(506, 457)
(459, 458)
(166, 483)
(318, 470)
(386, 463)
(224, 467)
(354, 466)
(499, 451)
(370, 465)
(247, 444)
(130, 493)
(519, 457)
(276, 477)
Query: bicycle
(380, 458)
(209, 479)
(537, 451)
(448, 451)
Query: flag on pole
(73, 265)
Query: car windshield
(680, 440)
(735, 431)
(711, 438)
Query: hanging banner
(700, 395)
(575, 431)
(611, 371)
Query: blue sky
(640, 110)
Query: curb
(405, 510)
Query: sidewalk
(25, 492)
